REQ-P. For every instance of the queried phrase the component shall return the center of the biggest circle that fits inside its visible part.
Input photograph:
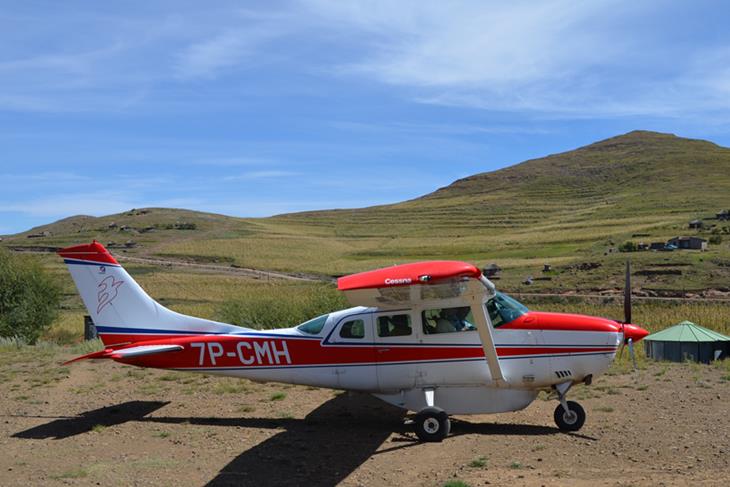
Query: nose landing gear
(569, 415)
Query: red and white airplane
(435, 338)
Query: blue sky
(258, 108)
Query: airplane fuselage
(535, 351)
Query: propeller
(627, 293)
(627, 315)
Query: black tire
(432, 424)
(571, 420)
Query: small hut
(687, 341)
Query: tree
(29, 297)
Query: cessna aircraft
(435, 338)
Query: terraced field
(563, 210)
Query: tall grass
(279, 305)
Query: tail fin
(122, 311)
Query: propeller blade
(627, 293)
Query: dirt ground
(99, 423)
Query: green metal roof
(687, 331)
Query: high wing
(423, 284)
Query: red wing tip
(94, 252)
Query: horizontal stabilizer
(142, 350)
(138, 351)
(93, 355)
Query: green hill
(564, 210)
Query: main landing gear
(569, 415)
(431, 423)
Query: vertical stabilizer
(122, 311)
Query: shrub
(276, 306)
(627, 246)
(29, 297)
(716, 239)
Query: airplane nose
(635, 333)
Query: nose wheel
(432, 424)
(569, 415)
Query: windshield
(504, 309)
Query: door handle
(383, 350)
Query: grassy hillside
(565, 210)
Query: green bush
(716, 239)
(29, 297)
(627, 246)
(277, 306)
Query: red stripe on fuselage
(228, 351)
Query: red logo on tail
(108, 289)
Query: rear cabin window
(394, 325)
(313, 326)
(447, 320)
(353, 329)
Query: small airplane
(435, 338)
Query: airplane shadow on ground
(66, 427)
(324, 448)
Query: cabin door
(352, 339)
(396, 350)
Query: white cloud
(557, 57)
(207, 58)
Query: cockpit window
(313, 326)
(504, 309)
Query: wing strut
(486, 334)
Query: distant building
(696, 224)
(657, 246)
(642, 246)
(723, 215)
(688, 243)
(492, 270)
(687, 341)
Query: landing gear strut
(569, 415)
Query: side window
(313, 326)
(394, 325)
(353, 329)
(447, 320)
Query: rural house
(696, 224)
(723, 215)
(693, 243)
